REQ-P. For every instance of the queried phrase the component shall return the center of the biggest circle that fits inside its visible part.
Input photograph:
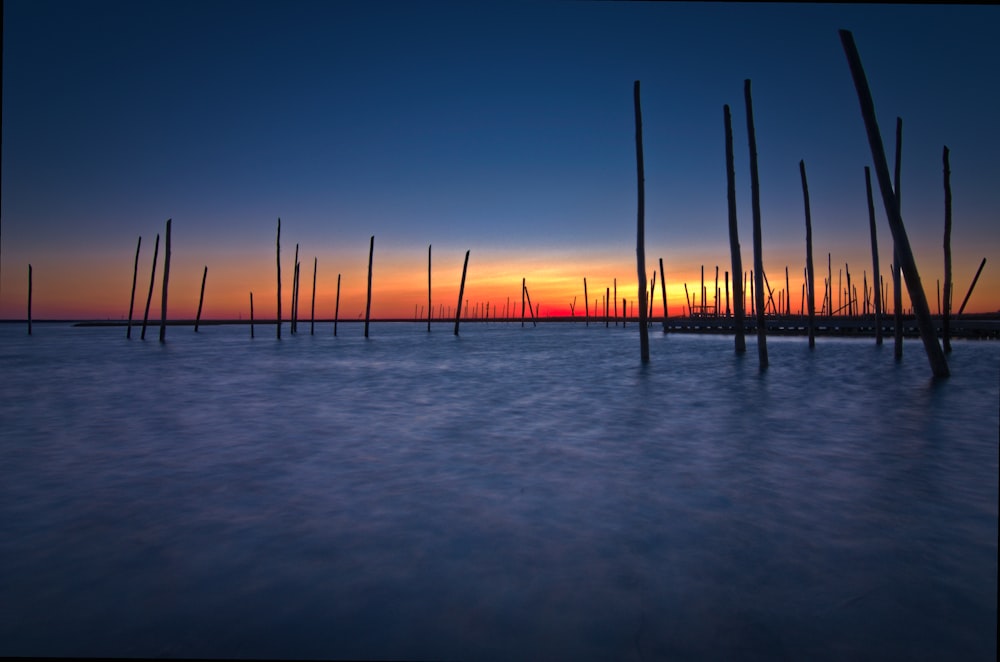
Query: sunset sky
(502, 128)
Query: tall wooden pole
(810, 272)
(336, 310)
(312, 311)
(461, 293)
(29, 299)
(294, 312)
(897, 280)
(877, 286)
(251, 314)
(152, 281)
(131, 299)
(663, 294)
(640, 240)
(278, 244)
(829, 284)
(607, 307)
(945, 321)
(935, 355)
(524, 289)
(166, 279)
(368, 303)
(758, 257)
(201, 299)
(586, 304)
(429, 309)
(734, 236)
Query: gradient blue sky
(504, 128)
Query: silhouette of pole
(251, 314)
(972, 287)
(945, 321)
(897, 281)
(586, 304)
(152, 281)
(935, 355)
(312, 311)
(734, 236)
(640, 241)
(336, 310)
(758, 258)
(871, 226)
(429, 309)
(461, 293)
(530, 309)
(810, 272)
(29, 299)
(368, 304)
(131, 299)
(278, 244)
(166, 279)
(663, 294)
(201, 299)
(294, 312)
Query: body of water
(512, 493)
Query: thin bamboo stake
(758, 258)
(461, 293)
(663, 294)
(29, 299)
(368, 304)
(166, 278)
(131, 300)
(201, 299)
(810, 272)
(971, 287)
(945, 321)
(312, 308)
(876, 286)
(640, 243)
(278, 244)
(935, 355)
(152, 281)
(251, 314)
(336, 310)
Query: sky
(502, 128)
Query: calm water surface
(510, 494)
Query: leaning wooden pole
(201, 299)
(166, 279)
(734, 236)
(152, 282)
(312, 310)
(461, 293)
(810, 271)
(640, 241)
(29, 299)
(278, 250)
(294, 312)
(586, 304)
(897, 280)
(871, 226)
(663, 294)
(429, 309)
(531, 310)
(131, 300)
(251, 314)
(758, 256)
(935, 355)
(946, 307)
(336, 310)
(971, 287)
(368, 303)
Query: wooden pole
(897, 280)
(152, 281)
(652, 294)
(295, 293)
(624, 313)
(368, 304)
(607, 307)
(810, 271)
(850, 305)
(758, 257)
(336, 310)
(29, 299)
(716, 290)
(131, 300)
(829, 284)
(586, 304)
(461, 293)
(945, 321)
(728, 311)
(614, 293)
(640, 240)
(278, 243)
(688, 297)
(251, 314)
(935, 355)
(532, 310)
(971, 287)
(429, 309)
(312, 309)
(522, 301)
(166, 278)
(877, 285)
(201, 299)
(663, 295)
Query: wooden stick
(201, 299)
(850, 305)
(945, 321)
(29, 299)
(897, 280)
(429, 308)
(716, 290)
(152, 281)
(624, 313)
(971, 287)
(607, 307)
(728, 312)
(522, 301)
(688, 297)
(935, 355)
(652, 294)
(368, 304)
(758, 257)
(131, 300)
(336, 310)
(295, 293)
(461, 293)
(532, 310)
(278, 243)
(166, 278)
(312, 311)
(251, 314)
(810, 272)
(663, 294)
(640, 240)
(586, 304)
(877, 286)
